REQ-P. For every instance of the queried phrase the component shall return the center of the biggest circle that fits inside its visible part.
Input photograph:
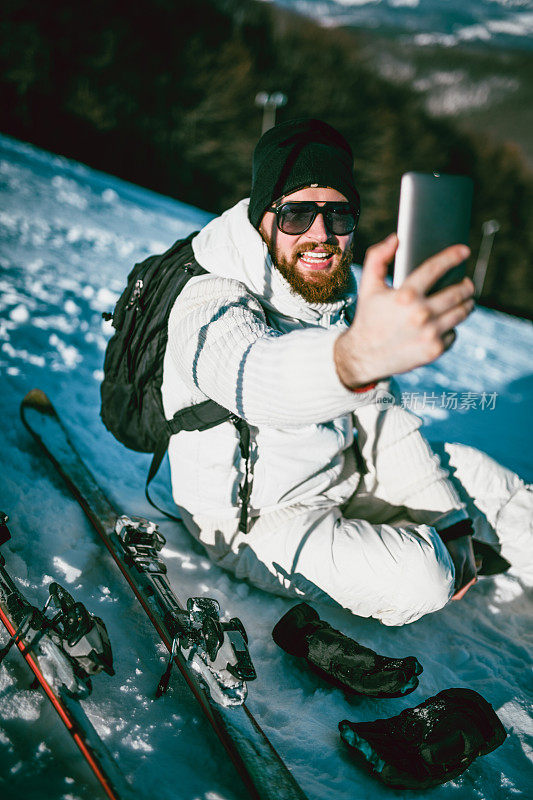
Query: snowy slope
(68, 237)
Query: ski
(211, 655)
(63, 652)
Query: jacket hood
(230, 247)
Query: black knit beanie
(296, 154)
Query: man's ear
(263, 232)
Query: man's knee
(428, 582)
(431, 595)
(422, 583)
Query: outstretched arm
(221, 344)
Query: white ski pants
(367, 558)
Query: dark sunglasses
(297, 217)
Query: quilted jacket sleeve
(222, 346)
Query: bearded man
(343, 499)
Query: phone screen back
(434, 213)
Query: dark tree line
(162, 93)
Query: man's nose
(318, 231)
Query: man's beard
(325, 287)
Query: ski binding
(216, 650)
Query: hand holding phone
(397, 330)
(434, 213)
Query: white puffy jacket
(241, 337)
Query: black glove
(492, 563)
(341, 660)
(429, 744)
(457, 531)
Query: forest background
(161, 93)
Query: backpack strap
(245, 489)
(198, 418)
(202, 417)
(159, 454)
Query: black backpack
(132, 407)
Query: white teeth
(315, 256)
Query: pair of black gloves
(421, 747)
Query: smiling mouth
(315, 259)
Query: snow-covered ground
(68, 237)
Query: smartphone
(434, 213)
